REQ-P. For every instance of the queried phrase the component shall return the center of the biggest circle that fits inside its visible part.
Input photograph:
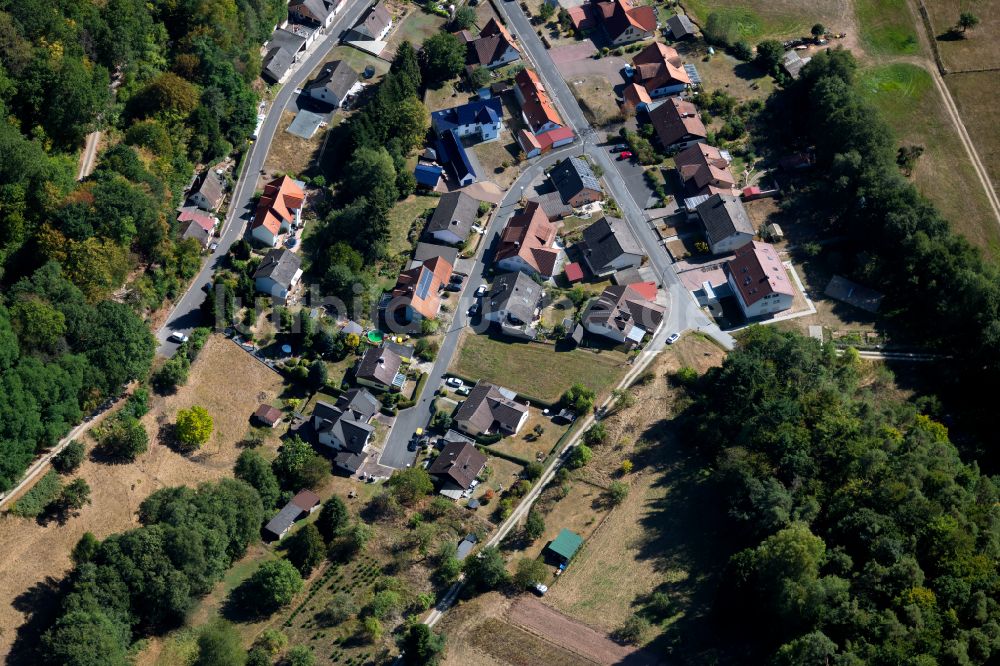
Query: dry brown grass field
(225, 380)
(976, 49)
(973, 93)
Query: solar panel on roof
(693, 74)
(424, 284)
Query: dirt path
(534, 616)
(89, 155)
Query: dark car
(453, 287)
(458, 278)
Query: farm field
(973, 94)
(977, 49)
(906, 95)
(37, 556)
(535, 369)
(769, 19)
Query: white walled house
(759, 280)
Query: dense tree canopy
(860, 533)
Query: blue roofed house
(428, 175)
(451, 152)
(482, 117)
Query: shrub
(70, 458)
(530, 572)
(578, 397)
(384, 604)
(617, 492)
(596, 434)
(273, 585)
(409, 485)
(125, 439)
(633, 630)
(306, 549)
(686, 376)
(533, 471)
(34, 502)
(742, 51)
(271, 641)
(340, 608)
(580, 456)
(300, 655)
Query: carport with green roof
(564, 546)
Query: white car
(673, 337)
(178, 337)
(454, 382)
(480, 290)
(541, 589)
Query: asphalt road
(684, 312)
(186, 314)
(395, 453)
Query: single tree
(769, 54)
(486, 570)
(818, 30)
(534, 526)
(546, 11)
(85, 549)
(443, 57)
(317, 375)
(332, 518)
(465, 18)
(273, 585)
(421, 646)
(300, 655)
(306, 549)
(70, 458)
(579, 398)
(125, 439)
(340, 608)
(194, 426)
(596, 434)
(967, 20)
(74, 497)
(580, 456)
(479, 78)
(617, 492)
(530, 572)
(271, 641)
(409, 485)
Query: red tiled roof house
(527, 243)
(279, 209)
(759, 281)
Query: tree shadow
(241, 607)
(951, 35)
(41, 604)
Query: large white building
(759, 280)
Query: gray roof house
(680, 27)
(624, 313)
(320, 12)
(427, 251)
(453, 218)
(793, 63)
(303, 504)
(609, 246)
(576, 182)
(334, 84)
(208, 195)
(192, 229)
(512, 302)
(283, 49)
(379, 369)
(345, 427)
(490, 410)
(727, 225)
(278, 273)
(373, 25)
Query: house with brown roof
(536, 105)
(456, 467)
(626, 23)
(583, 18)
(625, 313)
(267, 415)
(210, 191)
(417, 294)
(658, 69)
(677, 124)
(635, 98)
(279, 209)
(759, 280)
(704, 169)
(528, 243)
(379, 369)
(300, 506)
(490, 410)
(494, 47)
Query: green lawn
(887, 27)
(536, 370)
(415, 28)
(401, 219)
(358, 59)
(906, 96)
(755, 20)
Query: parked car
(673, 337)
(540, 589)
(178, 337)
(480, 290)
(454, 382)
(457, 278)
(463, 390)
(625, 155)
(453, 287)
(474, 310)
(617, 148)
(213, 247)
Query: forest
(859, 535)
(938, 287)
(82, 263)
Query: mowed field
(977, 48)
(770, 19)
(906, 96)
(225, 380)
(535, 369)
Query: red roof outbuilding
(573, 272)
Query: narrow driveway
(186, 314)
(395, 453)
(684, 312)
